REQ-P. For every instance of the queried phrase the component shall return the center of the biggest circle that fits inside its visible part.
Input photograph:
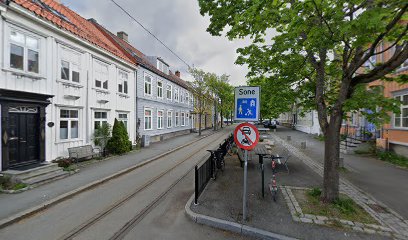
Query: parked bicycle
(217, 162)
(273, 187)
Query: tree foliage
(208, 88)
(119, 142)
(318, 48)
(102, 134)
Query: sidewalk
(220, 205)
(384, 181)
(15, 204)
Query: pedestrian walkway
(221, 203)
(15, 204)
(313, 156)
(380, 179)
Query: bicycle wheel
(274, 195)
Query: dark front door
(24, 138)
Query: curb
(231, 226)
(31, 211)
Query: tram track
(122, 232)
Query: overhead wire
(147, 30)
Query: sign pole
(244, 210)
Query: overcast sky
(178, 24)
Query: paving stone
(310, 216)
(367, 230)
(323, 218)
(347, 222)
(306, 220)
(357, 228)
(357, 224)
(321, 222)
(297, 219)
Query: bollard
(303, 145)
(289, 138)
(341, 162)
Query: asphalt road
(165, 220)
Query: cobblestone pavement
(387, 217)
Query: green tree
(219, 85)
(319, 48)
(119, 142)
(102, 135)
(201, 93)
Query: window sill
(20, 73)
(68, 140)
(148, 129)
(123, 95)
(69, 84)
(100, 90)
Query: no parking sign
(246, 136)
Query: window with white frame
(69, 65)
(183, 119)
(24, 52)
(160, 89)
(123, 117)
(169, 91)
(148, 118)
(69, 124)
(169, 119)
(187, 98)
(401, 119)
(176, 94)
(371, 62)
(160, 115)
(101, 74)
(123, 82)
(147, 84)
(177, 120)
(181, 96)
(162, 67)
(100, 118)
(187, 119)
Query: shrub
(345, 205)
(65, 162)
(314, 192)
(102, 135)
(119, 142)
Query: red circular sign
(246, 136)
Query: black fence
(204, 173)
(360, 133)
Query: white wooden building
(60, 78)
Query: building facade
(60, 80)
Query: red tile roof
(65, 18)
(139, 57)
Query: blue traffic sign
(247, 103)
(246, 108)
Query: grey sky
(178, 24)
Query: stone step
(38, 171)
(41, 173)
(46, 178)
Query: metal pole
(245, 187)
(263, 175)
(196, 186)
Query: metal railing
(203, 175)
(205, 172)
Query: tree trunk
(222, 119)
(331, 159)
(199, 124)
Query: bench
(83, 152)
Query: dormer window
(162, 67)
